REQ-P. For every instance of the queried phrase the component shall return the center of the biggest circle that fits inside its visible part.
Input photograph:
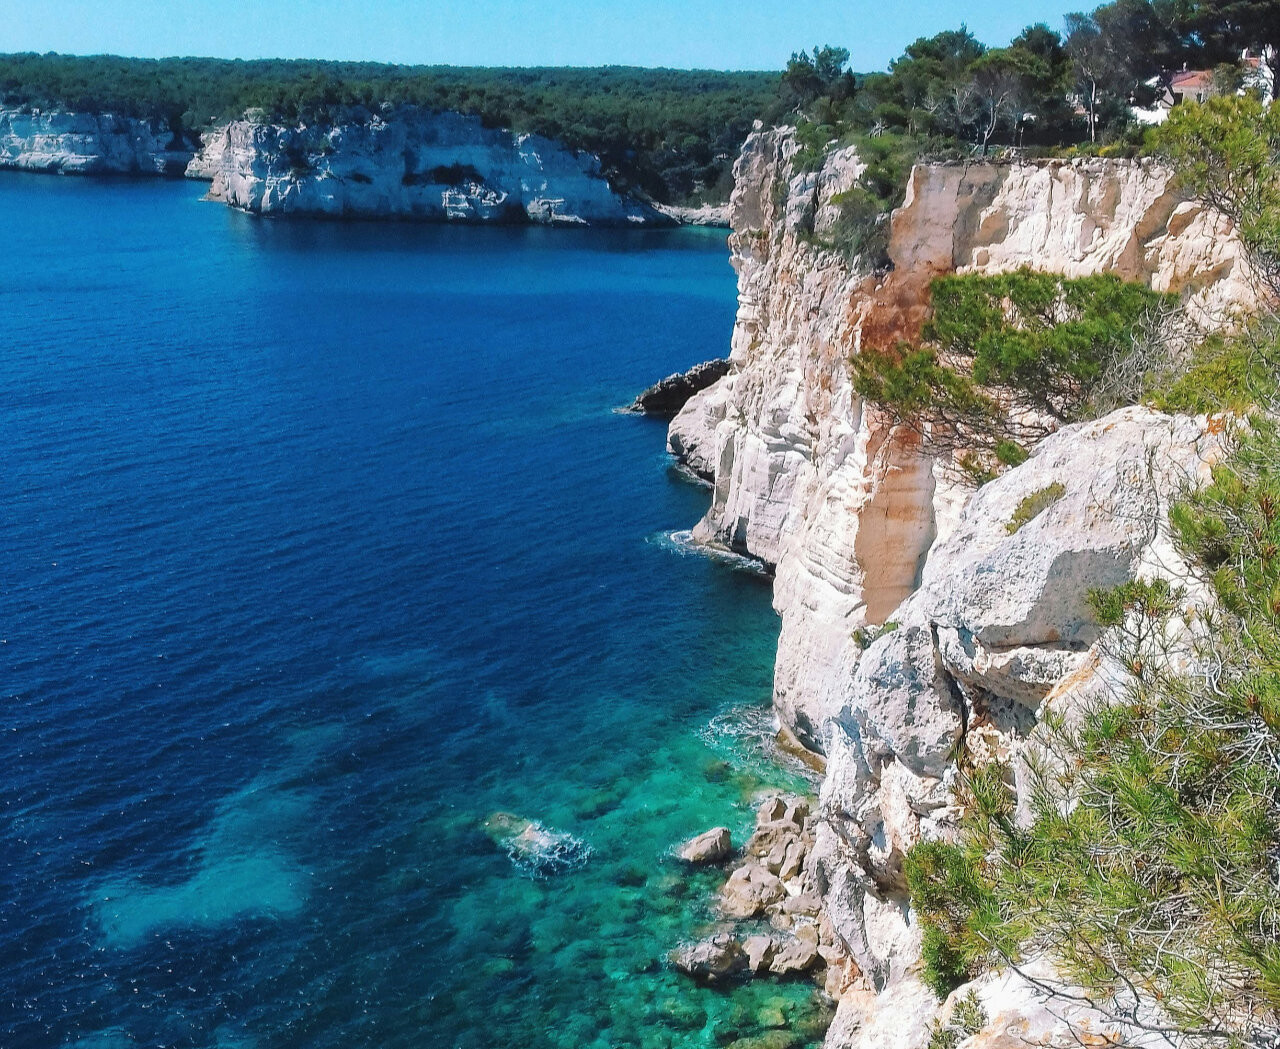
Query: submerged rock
(533, 848)
(666, 397)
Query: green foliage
(861, 231)
(1033, 505)
(1225, 151)
(1011, 453)
(1006, 358)
(864, 637)
(959, 912)
(1225, 373)
(1148, 600)
(968, 1017)
(672, 134)
(1155, 813)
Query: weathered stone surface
(407, 163)
(712, 960)
(797, 954)
(864, 529)
(771, 810)
(748, 891)
(68, 143)
(713, 846)
(760, 951)
(667, 396)
(998, 619)
(814, 482)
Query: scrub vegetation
(1143, 859)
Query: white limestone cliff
(913, 614)
(406, 163)
(62, 142)
(809, 479)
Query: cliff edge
(920, 618)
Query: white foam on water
(683, 543)
(107, 1038)
(747, 737)
(538, 851)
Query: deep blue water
(321, 544)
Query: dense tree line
(671, 134)
(1045, 89)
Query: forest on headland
(673, 134)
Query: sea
(355, 692)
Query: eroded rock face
(405, 163)
(713, 846)
(817, 484)
(717, 958)
(917, 615)
(1000, 619)
(666, 397)
(61, 142)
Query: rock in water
(749, 891)
(665, 398)
(714, 846)
(714, 959)
(533, 848)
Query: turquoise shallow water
(323, 544)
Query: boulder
(665, 398)
(760, 950)
(798, 954)
(713, 846)
(717, 958)
(749, 890)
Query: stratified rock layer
(807, 477)
(917, 614)
(61, 142)
(405, 163)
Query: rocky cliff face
(89, 144)
(409, 164)
(914, 614)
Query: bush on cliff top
(1007, 358)
(1226, 154)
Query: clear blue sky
(718, 34)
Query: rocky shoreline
(397, 163)
(771, 906)
(919, 626)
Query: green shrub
(1031, 506)
(958, 911)
(1225, 151)
(968, 1017)
(1007, 358)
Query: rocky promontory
(407, 163)
(666, 397)
(393, 162)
